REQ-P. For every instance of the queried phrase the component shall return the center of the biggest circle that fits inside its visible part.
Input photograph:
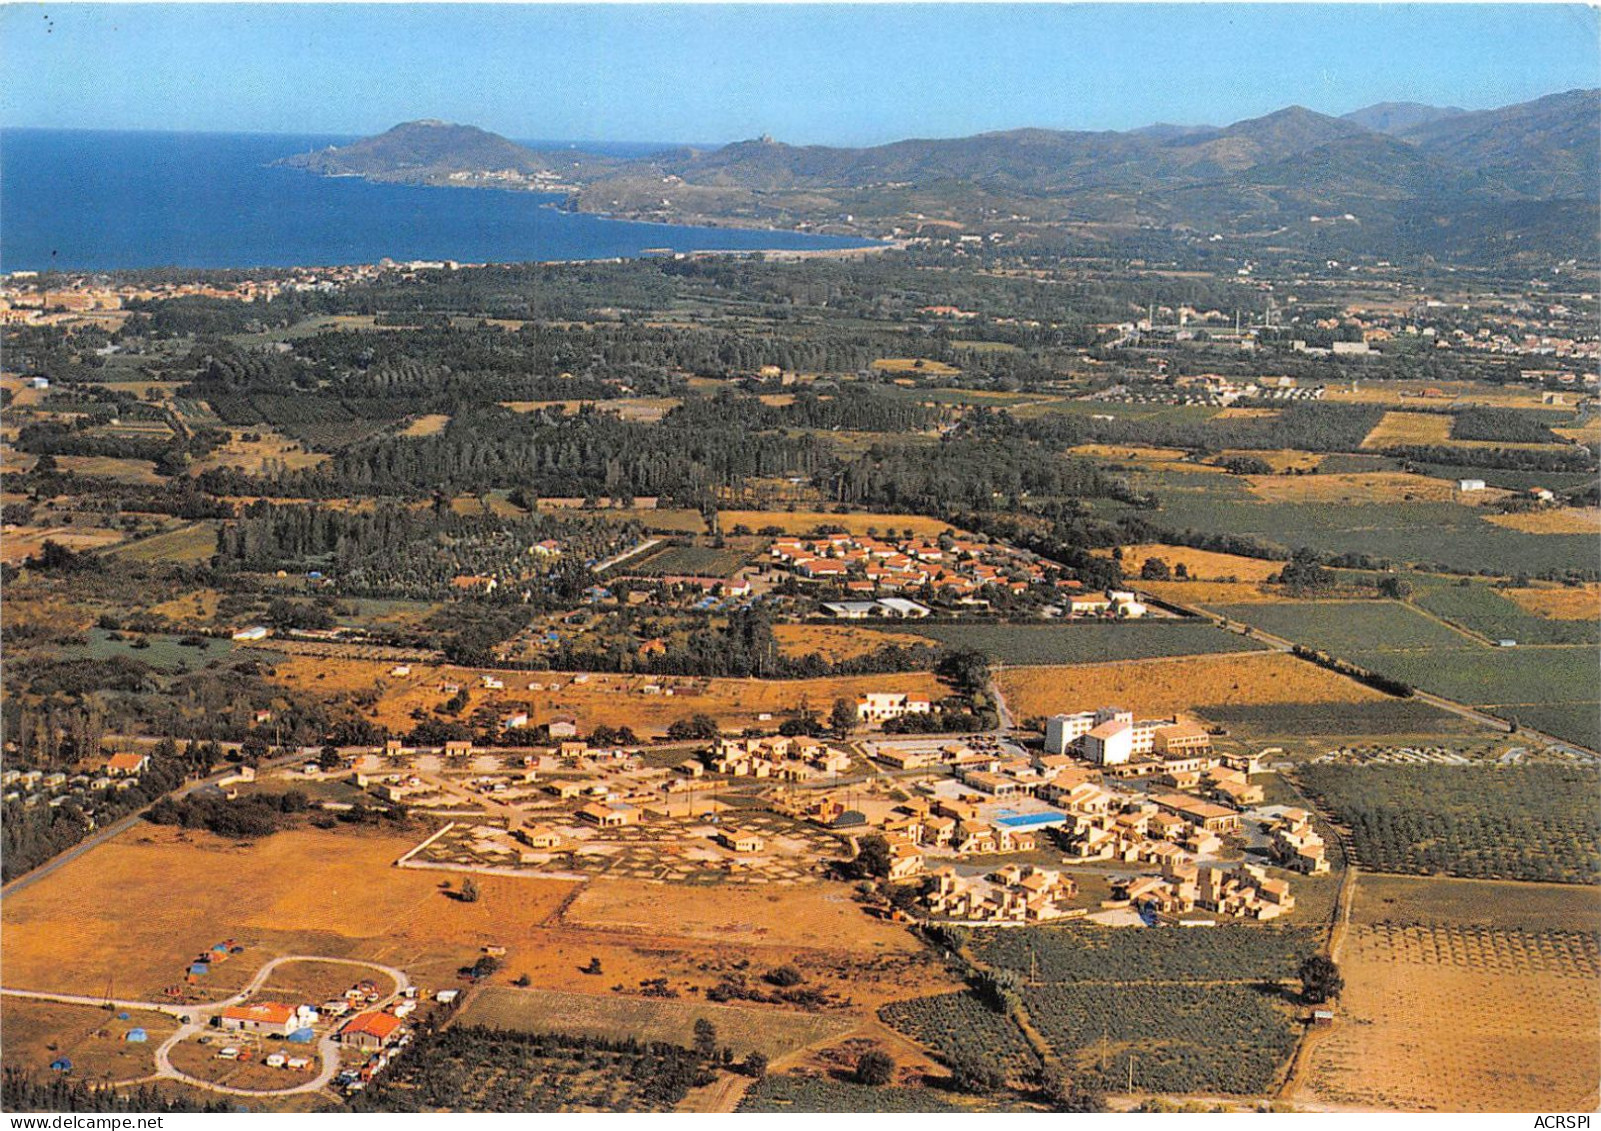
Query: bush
(875, 1068)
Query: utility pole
(1131, 1074)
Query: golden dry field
(1565, 603)
(803, 522)
(598, 698)
(494, 505)
(94, 1039)
(1203, 565)
(111, 467)
(1465, 995)
(430, 425)
(915, 365)
(19, 542)
(1410, 392)
(136, 908)
(254, 456)
(1568, 520)
(1211, 592)
(1280, 460)
(195, 606)
(1399, 428)
(1148, 458)
(837, 642)
(1365, 487)
(1587, 433)
(1240, 412)
(1160, 687)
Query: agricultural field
(1283, 460)
(1346, 627)
(959, 1024)
(923, 365)
(1532, 822)
(1087, 643)
(195, 542)
(771, 1031)
(1211, 1038)
(1555, 683)
(1580, 603)
(1422, 532)
(430, 424)
(94, 1039)
(838, 642)
(267, 453)
(1464, 996)
(1489, 613)
(804, 522)
(1151, 688)
(699, 561)
(1202, 565)
(135, 908)
(1399, 429)
(111, 467)
(1568, 520)
(483, 1070)
(591, 699)
(165, 653)
(823, 1095)
(1382, 718)
(1364, 489)
(21, 542)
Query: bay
(85, 200)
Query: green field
(1087, 643)
(1556, 684)
(1346, 627)
(1534, 822)
(827, 1096)
(1446, 534)
(742, 1028)
(959, 1024)
(1386, 717)
(1193, 1010)
(1481, 609)
(484, 1070)
(164, 652)
(192, 543)
(1175, 1038)
(696, 561)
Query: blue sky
(847, 74)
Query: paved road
(195, 1018)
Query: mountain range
(1522, 179)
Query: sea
(85, 200)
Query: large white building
(1111, 743)
(1062, 731)
(877, 706)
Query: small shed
(137, 1036)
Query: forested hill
(1390, 179)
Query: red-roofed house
(370, 1030)
(121, 765)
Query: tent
(137, 1036)
(199, 968)
(302, 1037)
(61, 1064)
(123, 1016)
